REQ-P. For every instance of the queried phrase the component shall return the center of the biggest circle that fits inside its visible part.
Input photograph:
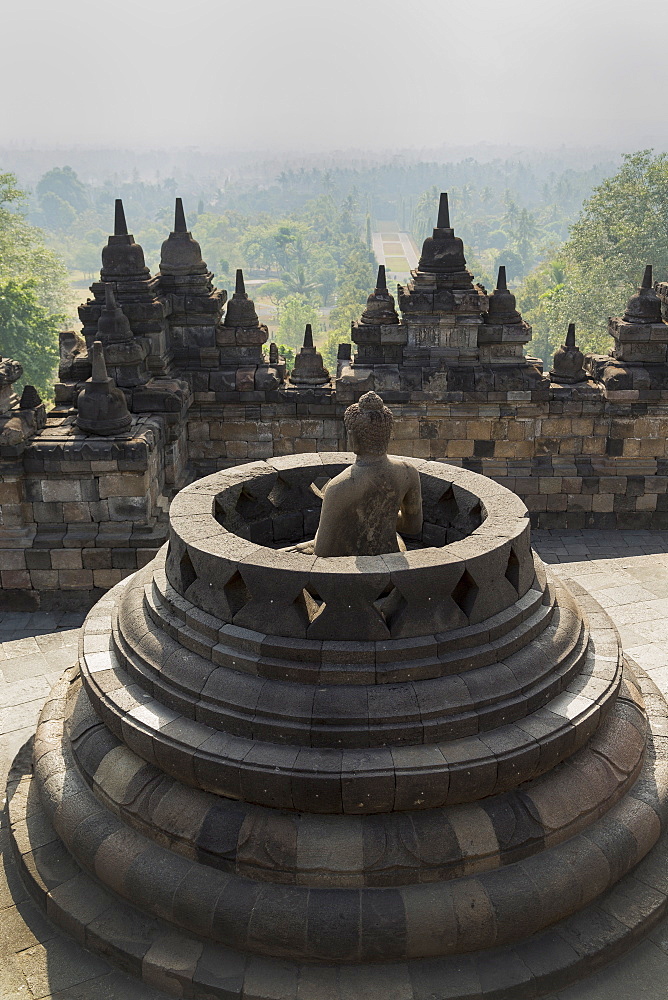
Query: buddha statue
(367, 504)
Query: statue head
(369, 425)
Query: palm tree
(296, 283)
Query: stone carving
(442, 252)
(30, 398)
(645, 305)
(567, 367)
(101, 406)
(502, 303)
(180, 254)
(380, 304)
(135, 290)
(309, 369)
(366, 504)
(378, 335)
(10, 372)
(418, 775)
(124, 354)
(241, 309)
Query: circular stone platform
(417, 776)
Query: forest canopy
(33, 285)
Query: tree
(622, 226)
(23, 253)
(296, 312)
(56, 212)
(32, 292)
(29, 333)
(63, 183)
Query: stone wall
(81, 515)
(583, 445)
(576, 462)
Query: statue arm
(409, 521)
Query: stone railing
(225, 531)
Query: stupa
(309, 370)
(195, 305)
(411, 774)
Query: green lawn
(399, 264)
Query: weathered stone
(101, 406)
(309, 369)
(567, 368)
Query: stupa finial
(381, 280)
(501, 278)
(240, 287)
(120, 225)
(570, 336)
(443, 212)
(99, 365)
(179, 218)
(308, 336)
(647, 281)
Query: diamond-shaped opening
(186, 572)
(389, 604)
(446, 507)
(236, 593)
(247, 506)
(513, 570)
(280, 492)
(475, 514)
(313, 603)
(219, 512)
(465, 593)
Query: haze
(308, 76)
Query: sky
(284, 75)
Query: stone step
(150, 947)
(424, 710)
(432, 655)
(421, 845)
(370, 779)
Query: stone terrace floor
(627, 572)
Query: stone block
(44, 579)
(123, 485)
(245, 380)
(15, 579)
(76, 512)
(57, 490)
(38, 559)
(75, 579)
(66, 559)
(107, 578)
(128, 508)
(93, 558)
(13, 559)
(10, 492)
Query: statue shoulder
(409, 469)
(339, 481)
